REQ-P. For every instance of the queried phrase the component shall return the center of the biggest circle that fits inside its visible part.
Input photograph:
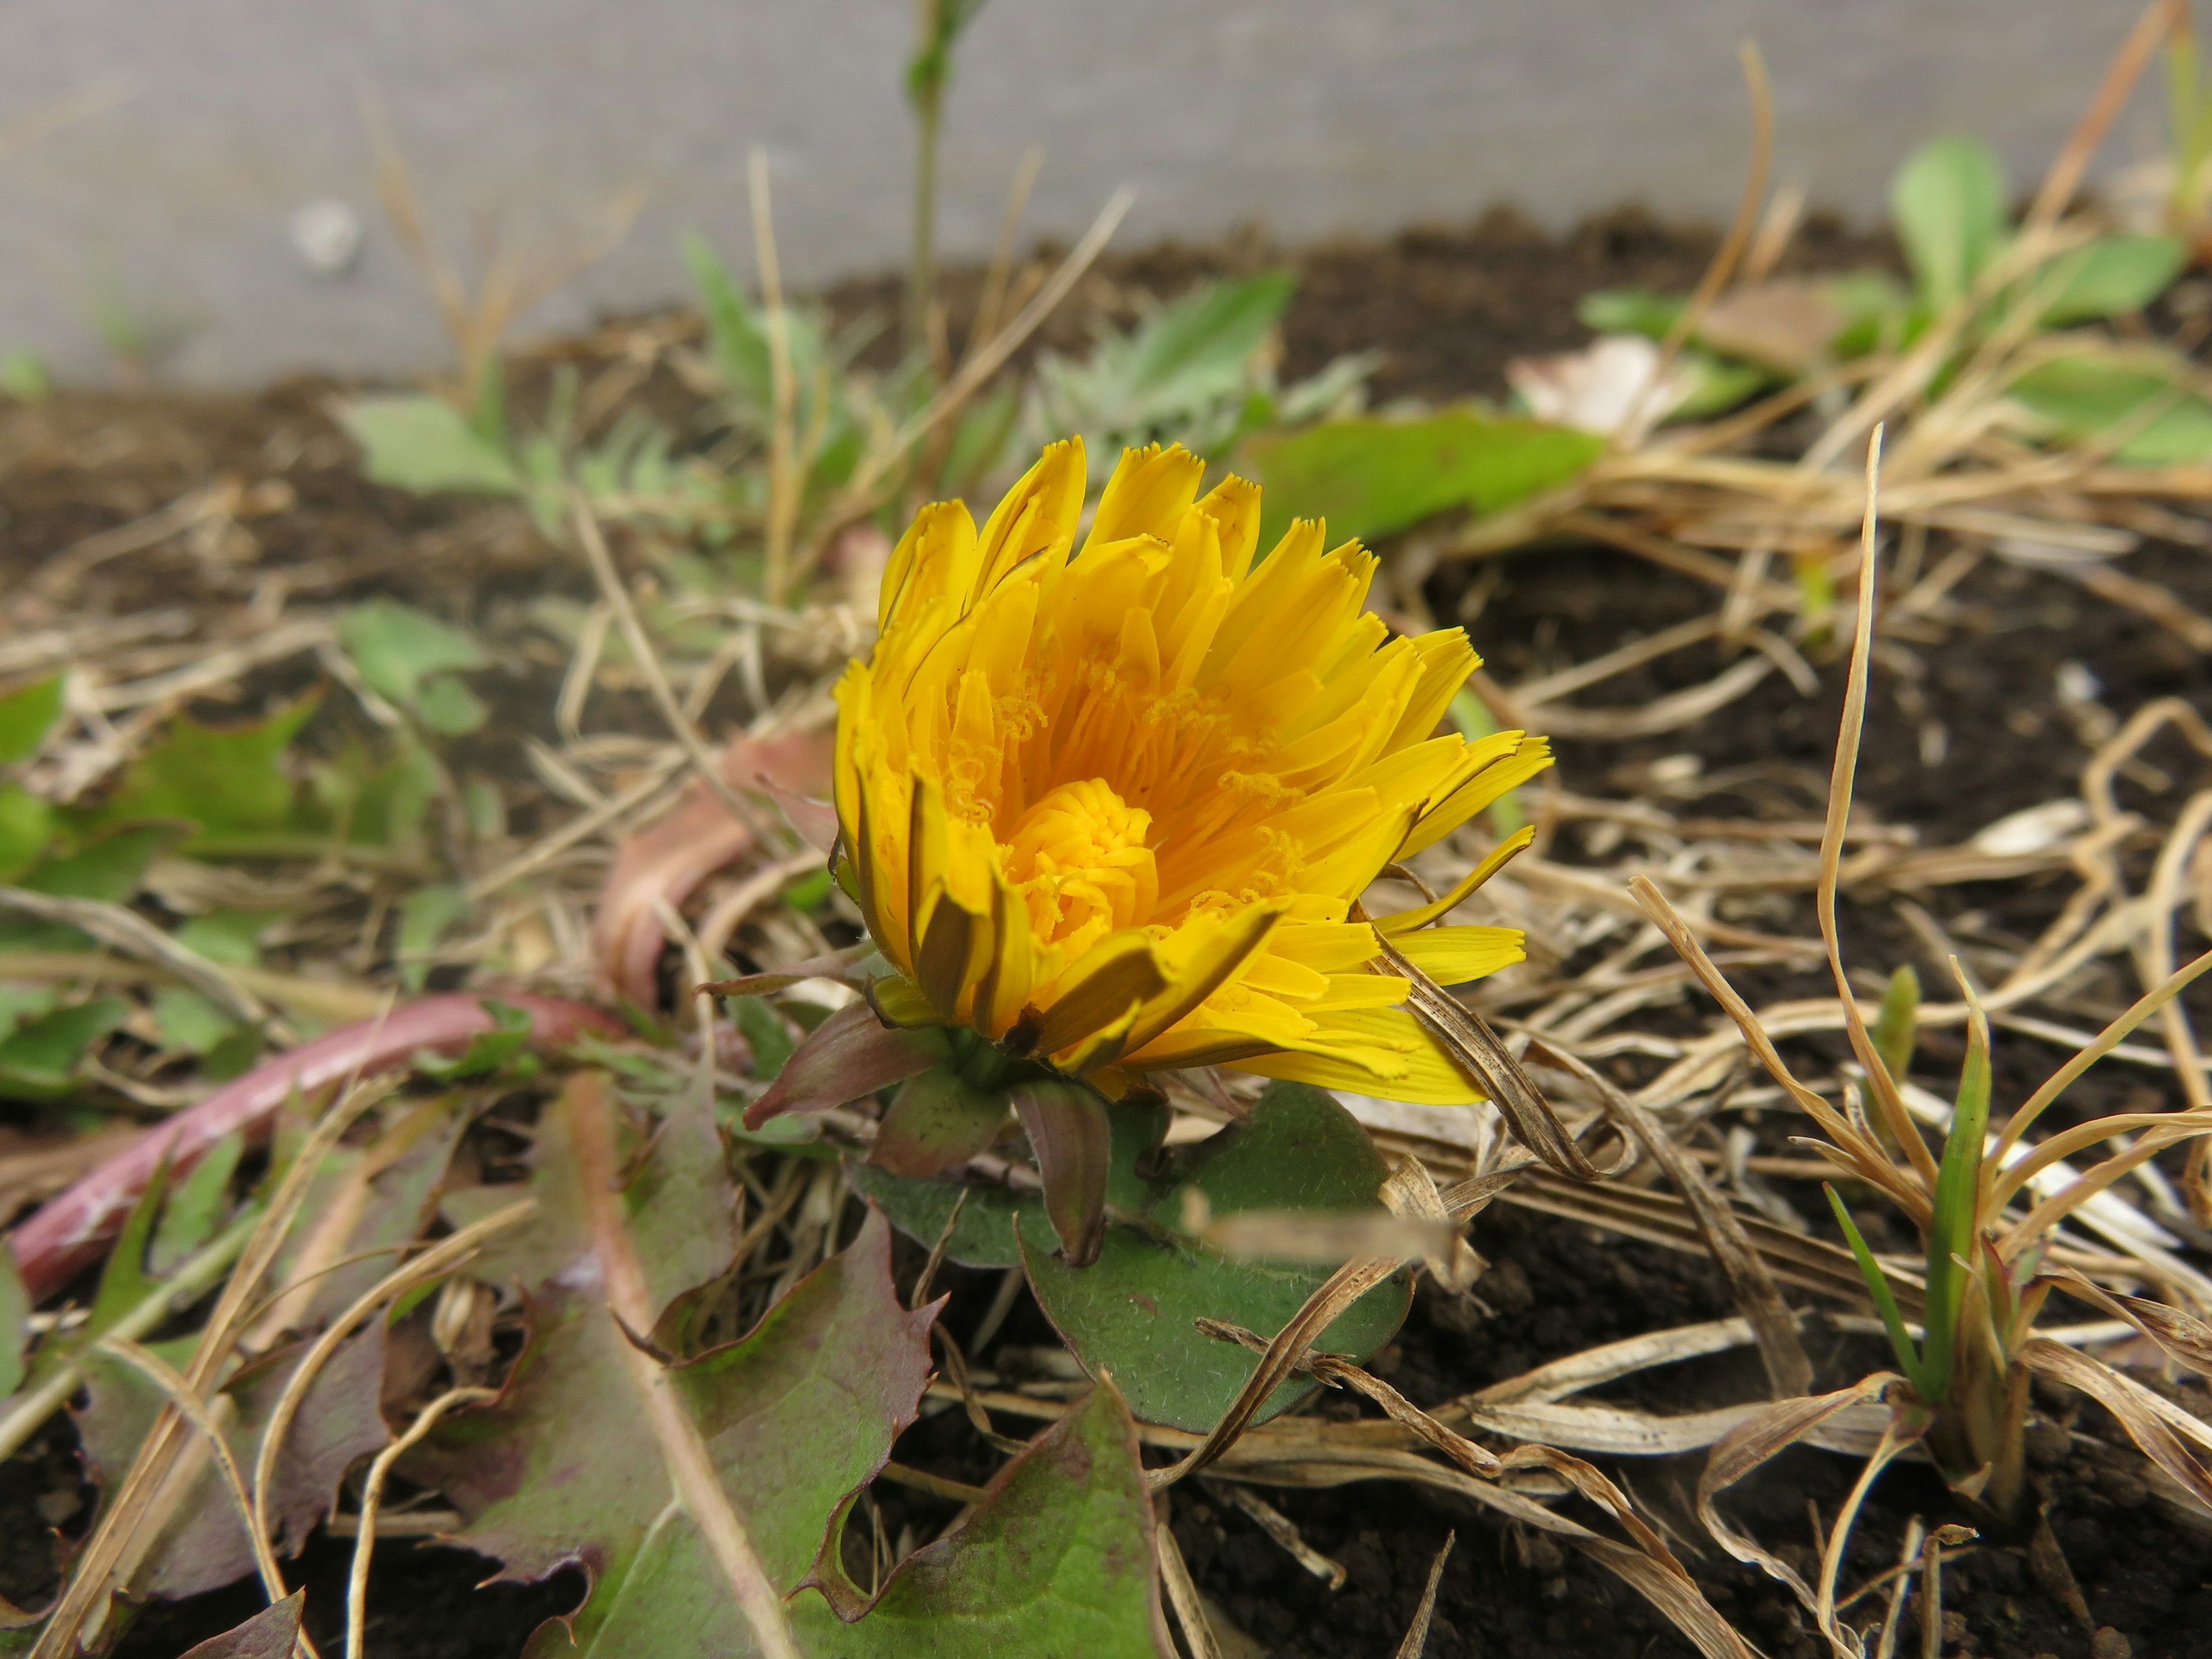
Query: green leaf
(39, 1060)
(189, 1023)
(123, 1281)
(1717, 384)
(108, 867)
(1186, 373)
(2110, 276)
(231, 938)
(1630, 311)
(1370, 477)
(425, 445)
(2098, 396)
(197, 1207)
(1948, 203)
(487, 1051)
(424, 917)
(1130, 1312)
(223, 780)
(1885, 1299)
(26, 829)
(936, 1121)
(450, 709)
(27, 715)
(15, 1321)
(738, 336)
(1055, 1563)
(765, 1033)
(23, 375)
(409, 659)
(1198, 346)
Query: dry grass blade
(628, 1299)
(1475, 1460)
(1893, 1441)
(1471, 1046)
(1285, 1532)
(2187, 1341)
(130, 1506)
(1896, 1121)
(1729, 254)
(372, 1499)
(1182, 1594)
(132, 934)
(2144, 1414)
(783, 470)
(1774, 1429)
(1660, 1218)
(1611, 1361)
(703, 761)
(1417, 1633)
(1789, 1371)
(1331, 1297)
(1866, 1158)
(194, 1410)
(442, 1257)
(2106, 1041)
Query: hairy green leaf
(424, 445)
(410, 659)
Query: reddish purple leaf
(1073, 1140)
(938, 1119)
(850, 1055)
(269, 1634)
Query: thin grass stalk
(372, 1499)
(783, 479)
(1897, 1121)
(126, 1510)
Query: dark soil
(1449, 309)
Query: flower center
(1078, 858)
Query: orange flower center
(1080, 861)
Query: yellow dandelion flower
(1115, 809)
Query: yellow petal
(1453, 956)
(1037, 514)
(1498, 857)
(1116, 977)
(1151, 491)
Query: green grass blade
(1877, 1284)
(1897, 1026)
(1958, 1198)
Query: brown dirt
(1448, 307)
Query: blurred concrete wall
(154, 154)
